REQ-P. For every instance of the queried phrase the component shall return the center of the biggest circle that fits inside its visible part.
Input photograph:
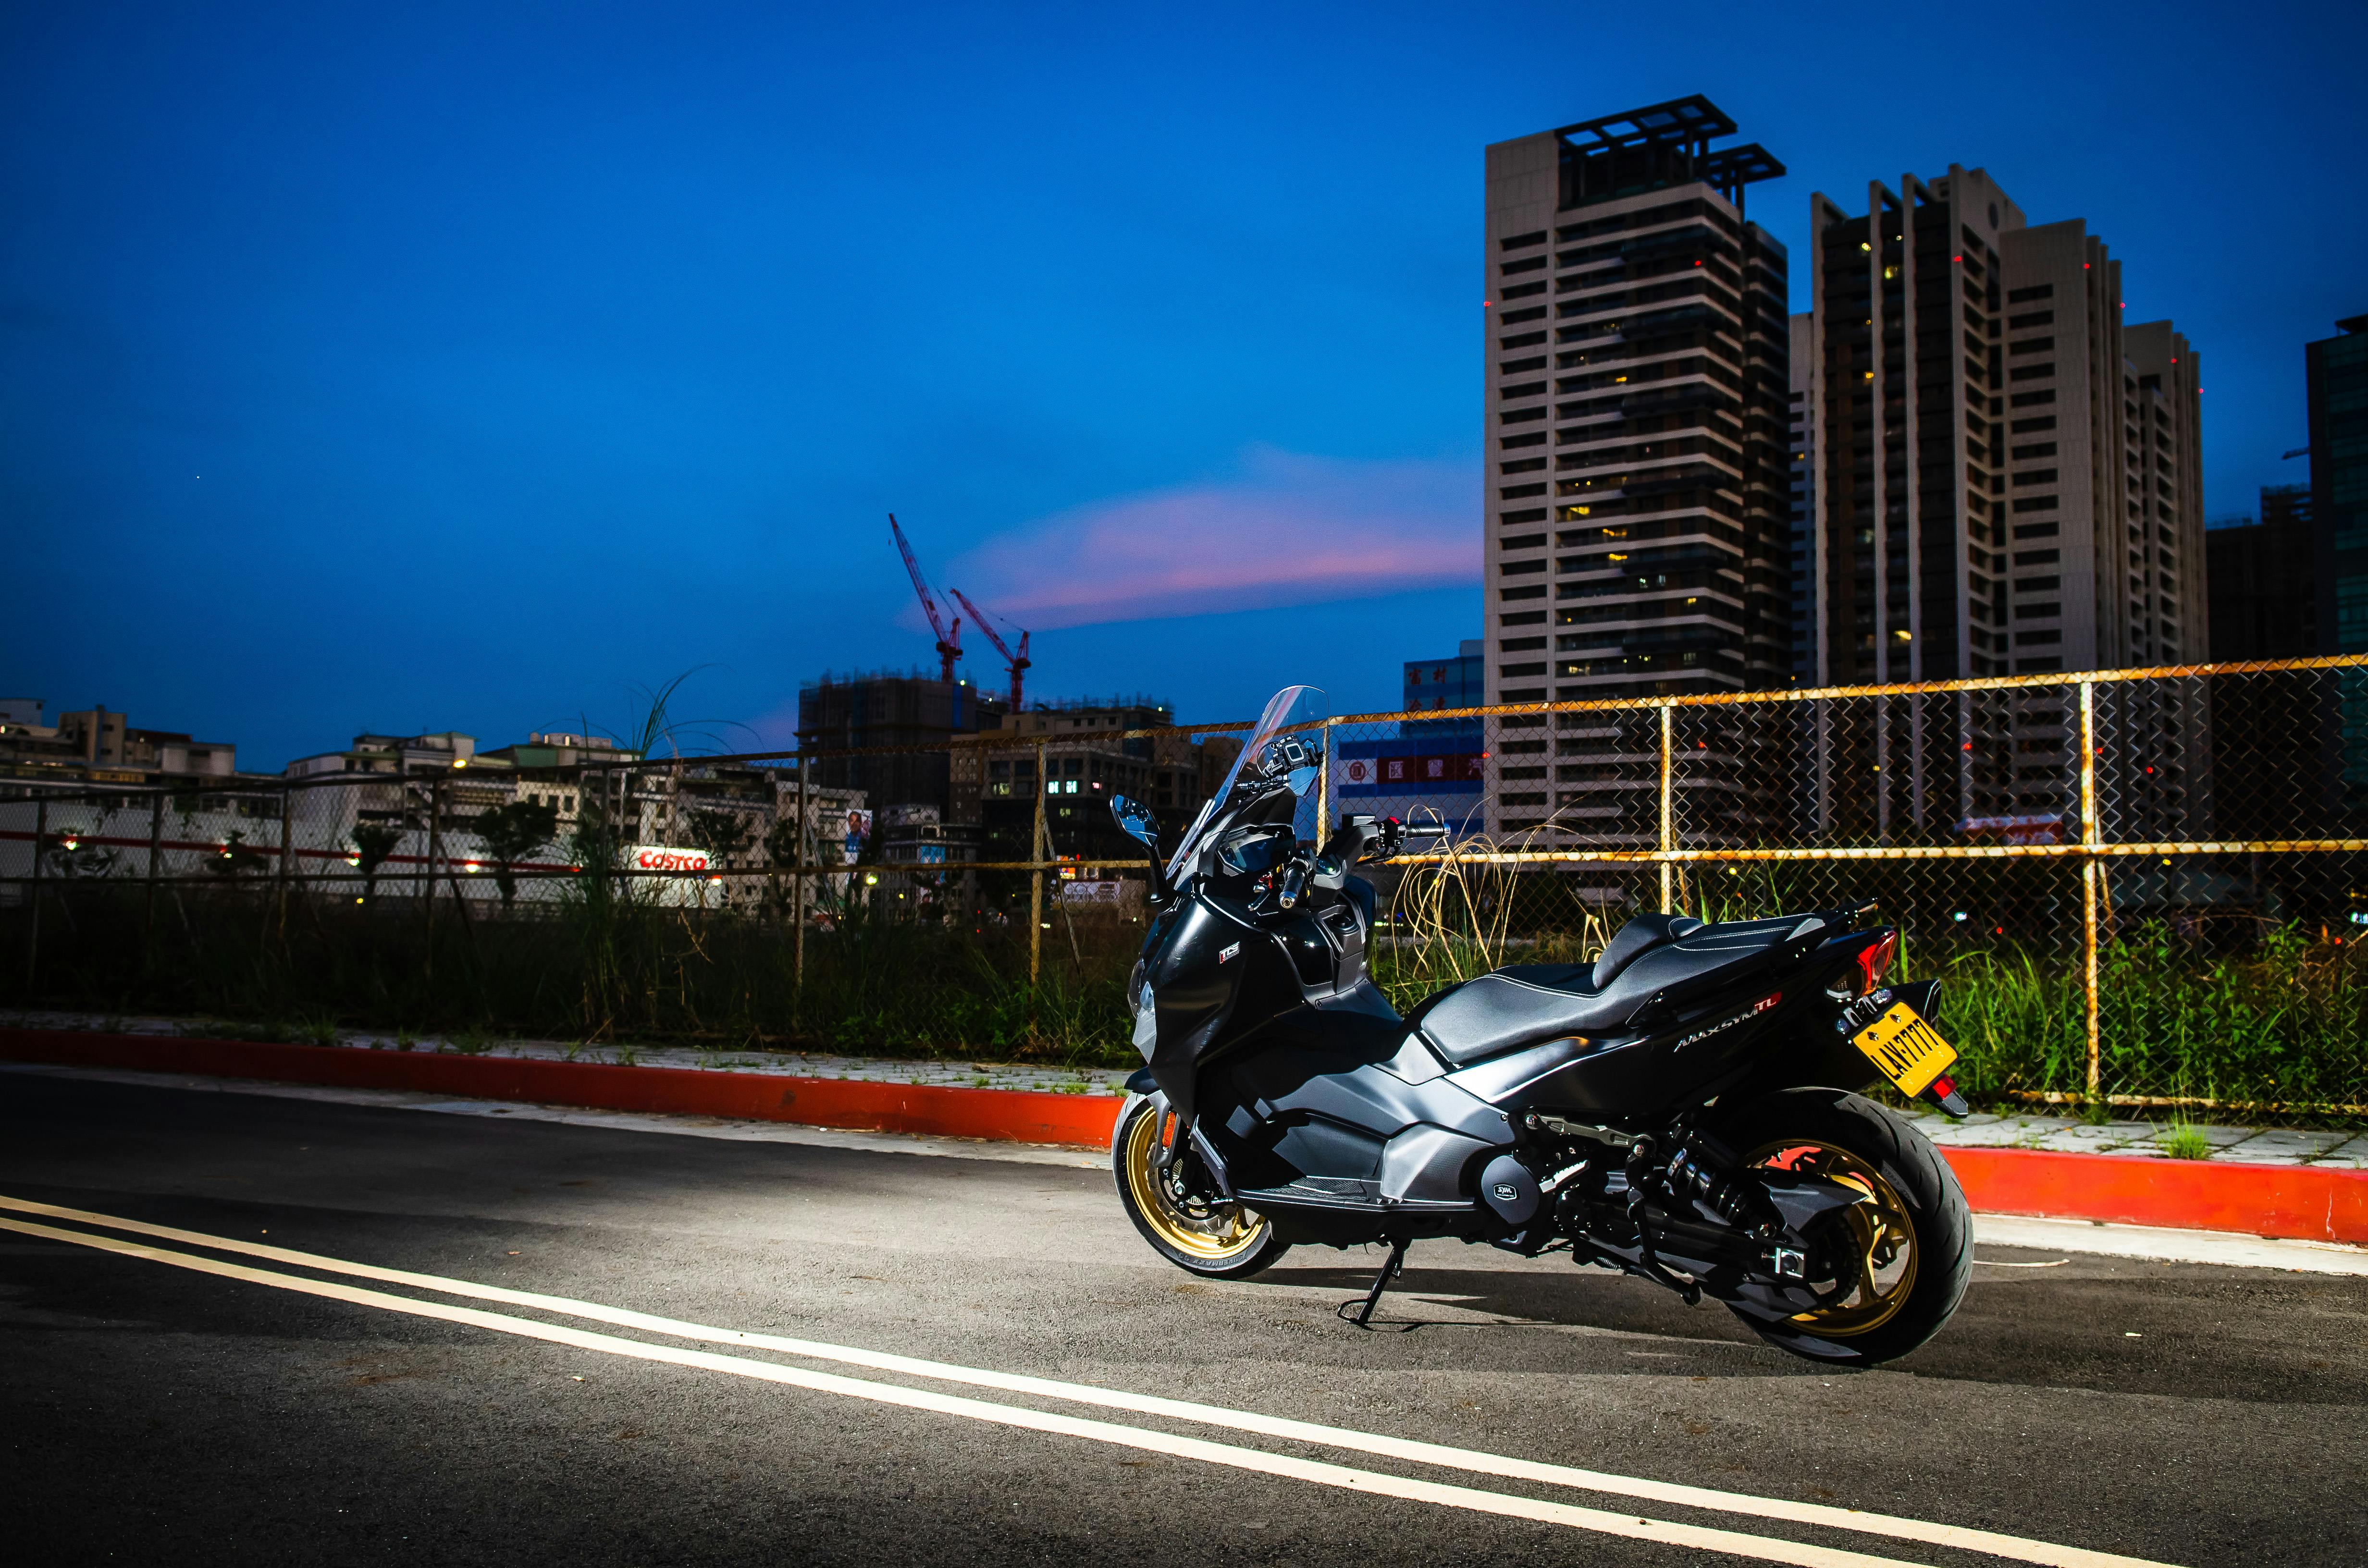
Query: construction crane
(1016, 661)
(948, 634)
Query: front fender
(1134, 1096)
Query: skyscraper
(1636, 343)
(2263, 580)
(2336, 370)
(2009, 482)
(1802, 552)
(2267, 735)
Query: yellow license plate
(1911, 1052)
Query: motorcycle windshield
(1291, 707)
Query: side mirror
(1134, 820)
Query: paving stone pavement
(2132, 1139)
(2146, 1140)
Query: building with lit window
(1801, 507)
(2009, 482)
(1637, 346)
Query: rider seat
(1650, 956)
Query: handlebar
(1292, 883)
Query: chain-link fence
(2142, 887)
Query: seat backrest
(1637, 938)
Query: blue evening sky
(461, 366)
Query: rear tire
(1215, 1241)
(1915, 1222)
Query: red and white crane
(1016, 661)
(948, 634)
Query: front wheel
(1898, 1260)
(1203, 1235)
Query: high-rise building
(2336, 370)
(2009, 482)
(1429, 768)
(1637, 345)
(1802, 505)
(1458, 682)
(2266, 735)
(2262, 580)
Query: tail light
(1874, 960)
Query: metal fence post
(33, 929)
(1036, 876)
(797, 900)
(287, 816)
(1668, 818)
(1324, 787)
(156, 846)
(2088, 874)
(427, 870)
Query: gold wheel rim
(1879, 1262)
(1227, 1232)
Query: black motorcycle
(1680, 1109)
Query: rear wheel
(1898, 1259)
(1204, 1236)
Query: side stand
(1390, 1270)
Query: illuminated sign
(658, 858)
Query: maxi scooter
(1681, 1108)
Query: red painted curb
(1007, 1114)
(2295, 1202)
(2300, 1202)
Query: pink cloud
(1288, 530)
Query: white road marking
(1374, 1483)
(1498, 1465)
(1998, 1230)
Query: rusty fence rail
(2114, 868)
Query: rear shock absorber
(1704, 1169)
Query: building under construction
(881, 708)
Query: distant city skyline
(451, 370)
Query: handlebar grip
(1293, 883)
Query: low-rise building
(98, 746)
(1089, 755)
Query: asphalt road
(168, 1409)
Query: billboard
(859, 834)
(1380, 769)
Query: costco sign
(658, 858)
